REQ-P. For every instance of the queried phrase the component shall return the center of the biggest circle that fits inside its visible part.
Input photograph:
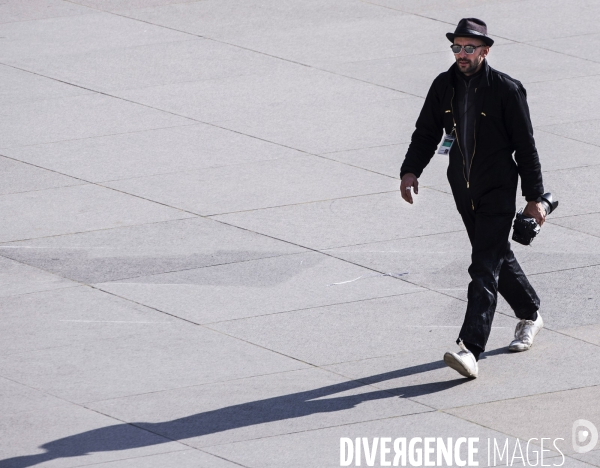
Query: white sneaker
(464, 362)
(525, 333)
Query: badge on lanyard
(447, 143)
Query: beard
(466, 66)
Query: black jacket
(502, 127)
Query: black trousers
(494, 268)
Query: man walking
(484, 118)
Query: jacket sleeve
(426, 136)
(520, 132)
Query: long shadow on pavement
(295, 405)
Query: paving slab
(579, 307)
(300, 107)
(181, 459)
(589, 333)
(359, 330)
(388, 159)
(142, 66)
(321, 448)
(584, 46)
(265, 184)
(583, 130)
(553, 364)
(78, 34)
(530, 63)
(73, 436)
(320, 129)
(344, 41)
(558, 460)
(17, 398)
(437, 261)
(554, 415)
(78, 117)
(73, 317)
(514, 20)
(286, 87)
(17, 278)
(79, 208)
(260, 337)
(558, 249)
(413, 73)
(257, 407)
(563, 152)
(116, 5)
(404, 71)
(85, 351)
(550, 106)
(19, 86)
(149, 152)
(15, 10)
(356, 220)
(17, 177)
(145, 249)
(259, 287)
(572, 187)
(425, 6)
(591, 458)
(440, 261)
(583, 223)
(230, 19)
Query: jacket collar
(483, 81)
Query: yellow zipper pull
(472, 206)
(467, 184)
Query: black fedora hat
(471, 27)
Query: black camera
(525, 229)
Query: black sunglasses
(469, 49)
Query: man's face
(469, 64)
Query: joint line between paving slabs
(338, 258)
(205, 327)
(552, 330)
(258, 51)
(496, 35)
(93, 410)
(388, 240)
(433, 410)
(573, 229)
(299, 203)
(169, 127)
(312, 308)
(545, 130)
(191, 386)
(196, 121)
(103, 93)
(163, 436)
(564, 269)
(133, 458)
(309, 364)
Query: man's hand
(536, 211)
(408, 180)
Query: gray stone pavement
(204, 259)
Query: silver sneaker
(525, 333)
(462, 362)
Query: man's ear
(485, 51)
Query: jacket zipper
(457, 139)
(474, 147)
(466, 177)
